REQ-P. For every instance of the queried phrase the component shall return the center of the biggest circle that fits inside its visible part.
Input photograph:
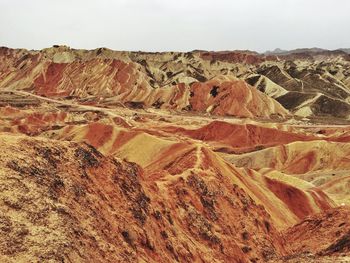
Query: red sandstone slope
(326, 233)
(186, 209)
(164, 158)
(233, 97)
(176, 171)
(299, 157)
(103, 210)
(229, 137)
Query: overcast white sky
(179, 25)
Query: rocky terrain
(111, 156)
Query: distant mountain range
(347, 50)
(279, 51)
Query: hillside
(111, 156)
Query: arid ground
(109, 156)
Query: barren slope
(114, 156)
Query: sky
(175, 25)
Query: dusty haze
(155, 25)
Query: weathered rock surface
(174, 157)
